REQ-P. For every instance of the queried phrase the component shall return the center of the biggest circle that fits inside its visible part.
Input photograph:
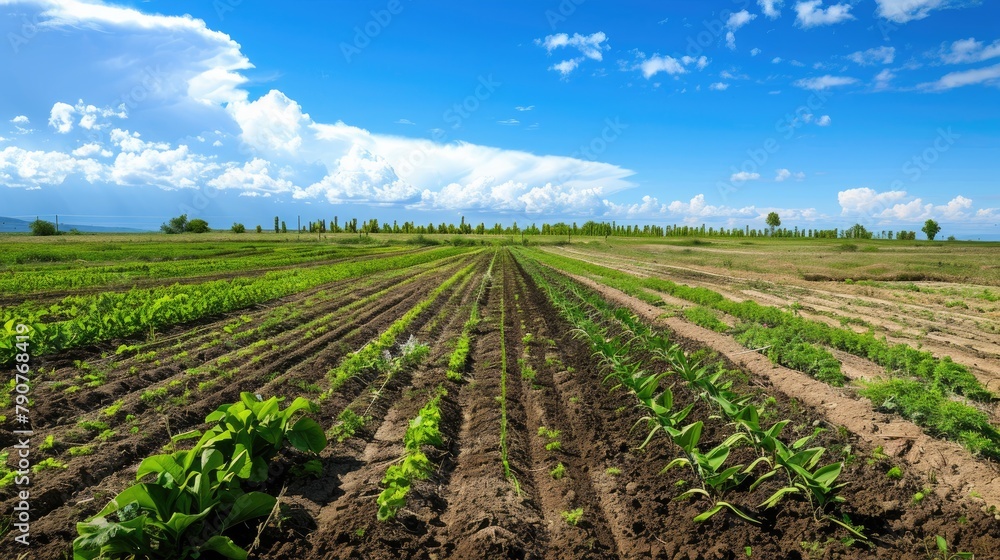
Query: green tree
(197, 225)
(284, 228)
(276, 228)
(259, 229)
(931, 228)
(175, 225)
(238, 228)
(42, 227)
(773, 220)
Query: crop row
(82, 320)
(370, 354)
(921, 387)
(717, 477)
(424, 429)
(460, 355)
(26, 280)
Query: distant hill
(13, 225)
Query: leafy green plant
(349, 424)
(558, 472)
(895, 473)
(48, 463)
(424, 429)
(946, 554)
(113, 408)
(199, 491)
(572, 517)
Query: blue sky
(884, 112)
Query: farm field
(479, 398)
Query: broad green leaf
(161, 464)
(307, 435)
(225, 547)
(701, 518)
(688, 438)
(249, 506)
(777, 496)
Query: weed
(48, 463)
(80, 451)
(613, 471)
(113, 408)
(895, 473)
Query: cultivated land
(480, 398)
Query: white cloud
(785, 174)
(91, 149)
(824, 121)
(590, 46)
(879, 55)
(743, 176)
(771, 8)
(61, 117)
(776, 60)
(700, 62)
(969, 50)
(164, 167)
(902, 11)
(404, 121)
(509, 122)
(989, 75)
(883, 78)
(657, 64)
(866, 201)
(737, 20)
(824, 82)
(20, 119)
(719, 86)
(29, 168)
(253, 178)
(361, 176)
(811, 14)
(272, 123)
(522, 108)
(755, 52)
(567, 66)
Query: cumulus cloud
(272, 123)
(31, 168)
(755, 52)
(566, 67)
(61, 117)
(719, 86)
(969, 50)
(590, 46)
(870, 57)
(771, 8)
(866, 201)
(361, 176)
(824, 121)
(668, 64)
(811, 14)
(899, 206)
(883, 78)
(735, 21)
(825, 82)
(254, 178)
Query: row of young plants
(504, 424)
(716, 476)
(82, 320)
(369, 355)
(921, 387)
(60, 276)
(192, 498)
(423, 430)
(460, 355)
